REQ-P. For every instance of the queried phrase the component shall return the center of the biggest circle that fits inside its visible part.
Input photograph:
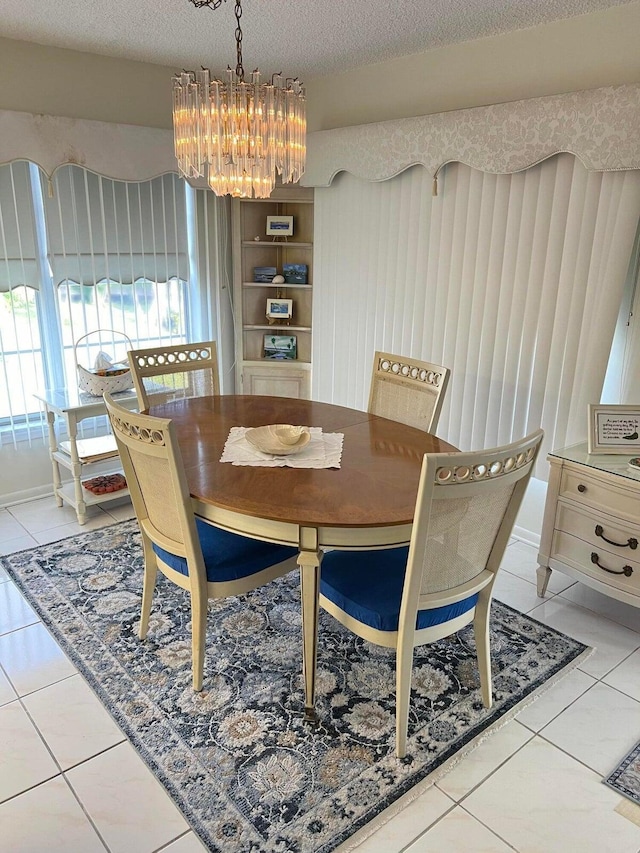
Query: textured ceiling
(298, 37)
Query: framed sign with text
(614, 429)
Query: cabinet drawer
(599, 530)
(600, 494)
(578, 554)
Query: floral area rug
(248, 774)
(625, 779)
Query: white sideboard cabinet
(591, 525)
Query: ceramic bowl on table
(278, 439)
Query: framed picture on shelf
(295, 273)
(280, 347)
(264, 274)
(614, 429)
(279, 309)
(280, 226)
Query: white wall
(529, 521)
(53, 81)
(26, 472)
(586, 52)
(600, 49)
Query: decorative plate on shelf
(107, 483)
(278, 439)
(634, 464)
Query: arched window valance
(122, 152)
(601, 127)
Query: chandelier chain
(215, 4)
(239, 68)
(212, 4)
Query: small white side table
(74, 406)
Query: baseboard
(26, 495)
(528, 536)
(528, 525)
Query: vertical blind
(130, 239)
(629, 335)
(95, 254)
(512, 281)
(21, 362)
(98, 228)
(18, 250)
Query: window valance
(123, 152)
(599, 126)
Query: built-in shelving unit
(252, 247)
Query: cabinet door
(272, 381)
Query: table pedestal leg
(309, 561)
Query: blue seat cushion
(228, 556)
(368, 586)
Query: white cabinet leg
(543, 573)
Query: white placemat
(323, 451)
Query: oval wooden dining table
(368, 502)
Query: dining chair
(407, 390)
(205, 560)
(172, 371)
(443, 580)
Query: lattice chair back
(155, 476)
(466, 507)
(171, 372)
(404, 597)
(407, 390)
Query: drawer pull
(582, 487)
(627, 571)
(630, 543)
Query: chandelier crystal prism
(239, 135)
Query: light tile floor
(70, 782)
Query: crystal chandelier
(238, 134)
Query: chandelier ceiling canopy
(239, 135)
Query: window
(21, 355)
(87, 253)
